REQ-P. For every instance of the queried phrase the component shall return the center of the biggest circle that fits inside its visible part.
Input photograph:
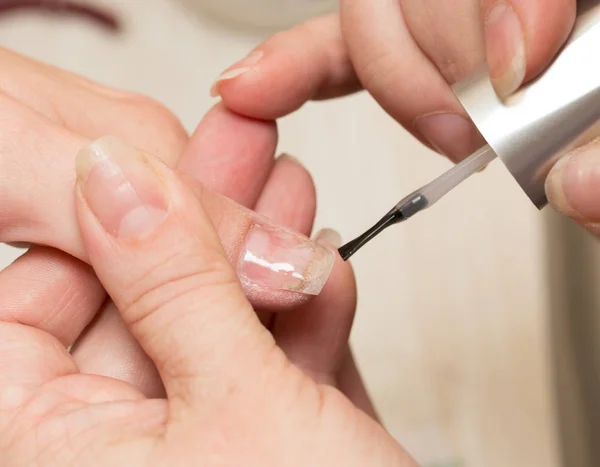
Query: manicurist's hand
(407, 54)
(232, 395)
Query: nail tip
(215, 89)
(330, 237)
(236, 70)
(505, 87)
(316, 283)
(288, 157)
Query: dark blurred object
(99, 15)
(574, 266)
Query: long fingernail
(121, 188)
(276, 258)
(505, 42)
(236, 70)
(573, 185)
(450, 134)
(329, 237)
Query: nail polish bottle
(556, 112)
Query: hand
(47, 114)
(233, 398)
(407, 53)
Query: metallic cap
(547, 117)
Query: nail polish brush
(528, 131)
(423, 198)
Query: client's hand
(47, 114)
(232, 396)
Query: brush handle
(446, 182)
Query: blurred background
(475, 331)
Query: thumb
(156, 252)
(573, 186)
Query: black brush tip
(350, 248)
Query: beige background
(452, 331)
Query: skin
(406, 54)
(160, 430)
(232, 396)
(50, 298)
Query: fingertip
(309, 61)
(231, 154)
(243, 66)
(275, 88)
(506, 49)
(522, 37)
(547, 24)
(573, 185)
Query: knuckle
(154, 110)
(156, 119)
(378, 70)
(168, 290)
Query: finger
(350, 382)
(272, 82)
(412, 41)
(29, 358)
(307, 62)
(156, 252)
(573, 186)
(51, 291)
(315, 337)
(108, 349)
(289, 196)
(523, 36)
(244, 234)
(288, 199)
(231, 154)
(433, 25)
(406, 83)
(236, 167)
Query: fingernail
(505, 48)
(280, 259)
(289, 157)
(236, 70)
(330, 237)
(121, 188)
(450, 134)
(573, 185)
